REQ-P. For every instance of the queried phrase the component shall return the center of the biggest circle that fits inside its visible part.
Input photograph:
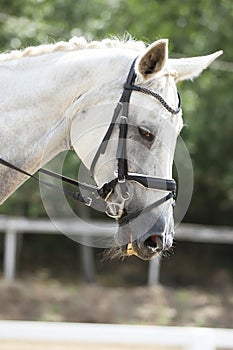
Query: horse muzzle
(150, 244)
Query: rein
(75, 195)
(98, 194)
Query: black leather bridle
(121, 155)
(120, 117)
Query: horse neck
(35, 98)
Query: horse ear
(189, 68)
(154, 59)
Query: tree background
(193, 28)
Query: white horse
(62, 96)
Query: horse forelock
(75, 43)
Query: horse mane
(73, 44)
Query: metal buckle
(88, 203)
(116, 208)
(121, 181)
(124, 117)
(126, 196)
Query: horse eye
(146, 134)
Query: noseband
(121, 113)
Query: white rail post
(154, 271)
(87, 251)
(9, 261)
(88, 264)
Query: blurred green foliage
(193, 28)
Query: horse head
(129, 145)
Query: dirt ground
(37, 299)
(10, 345)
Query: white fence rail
(188, 338)
(11, 226)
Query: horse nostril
(151, 241)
